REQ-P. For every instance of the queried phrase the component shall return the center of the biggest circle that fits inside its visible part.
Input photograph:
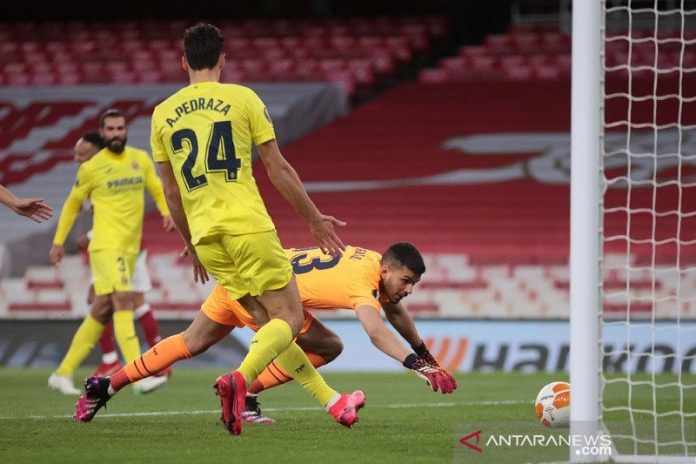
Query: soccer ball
(553, 404)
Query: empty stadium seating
(535, 54)
(452, 287)
(351, 53)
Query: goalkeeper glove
(423, 353)
(435, 376)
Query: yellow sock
(295, 363)
(267, 344)
(82, 343)
(124, 331)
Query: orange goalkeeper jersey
(325, 282)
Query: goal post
(585, 243)
(633, 230)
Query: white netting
(649, 226)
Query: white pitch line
(302, 408)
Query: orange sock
(154, 360)
(274, 375)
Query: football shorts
(140, 281)
(112, 271)
(246, 264)
(222, 309)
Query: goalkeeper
(359, 279)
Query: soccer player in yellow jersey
(202, 138)
(360, 280)
(114, 180)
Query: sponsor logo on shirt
(126, 181)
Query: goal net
(648, 223)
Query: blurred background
(443, 123)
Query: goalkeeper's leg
(199, 336)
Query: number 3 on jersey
(220, 141)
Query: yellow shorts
(112, 271)
(224, 310)
(246, 264)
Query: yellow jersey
(115, 184)
(206, 131)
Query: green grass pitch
(403, 422)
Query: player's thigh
(319, 339)
(112, 271)
(251, 306)
(284, 303)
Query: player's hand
(436, 377)
(168, 224)
(56, 254)
(83, 242)
(199, 272)
(33, 208)
(325, 235)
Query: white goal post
(633, 229)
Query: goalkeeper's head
(401, 268)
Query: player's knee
(122, 300)
(334, 348)
(296, 322)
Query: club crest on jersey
(135, 165)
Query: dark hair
(94, 138)
(404, 254)
(203, 44)
(110, 113)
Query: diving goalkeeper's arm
(385, 340)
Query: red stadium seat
(43, 78)
(499, 44)
(434, 76)
(148, 76)
(17, 78)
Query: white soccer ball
(552, 405)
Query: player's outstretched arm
(385, 340)
(423, 363)
(402, 321)
(287, 182)
(33, 208)
(380, 336)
